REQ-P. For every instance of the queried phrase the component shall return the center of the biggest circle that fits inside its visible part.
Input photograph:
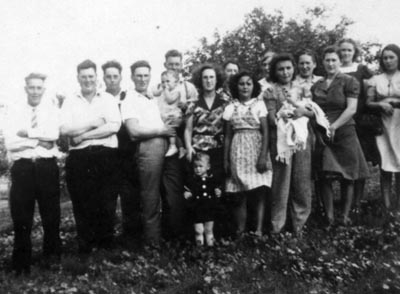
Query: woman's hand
(261, 164)
(386, 108)
(190, 153)
(332, 131)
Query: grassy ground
(364, 258)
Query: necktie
(34, 122)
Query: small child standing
(202, 193)
(170, 107)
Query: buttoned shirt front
(47, 129)
(77, 109)
(142, 108)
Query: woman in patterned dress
(384, 96)
(204, 126)
(245, 151)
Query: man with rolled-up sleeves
(90, 119)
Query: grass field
(364, 258)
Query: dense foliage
(263, 31)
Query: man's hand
(167, 131)
(74, 141)
(187, 195)
(46, 144)
(387, 108)
(22, 133)
(98, 122)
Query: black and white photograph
(200, 147)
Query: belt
(35, 159)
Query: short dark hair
(234, 81)
(35, 75)
(112, 63)
(274, 63)
(306, 52)
(85, 65)
(139, 63)
(395, 49)
(197, 76)
(329, 50)
(230, 61)
(357, 50)
(173, 53)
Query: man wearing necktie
(126, 185)
(30, 136)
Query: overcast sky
(54, 36)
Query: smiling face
(347, 52)
(112, 79)
(245, 88)
(390, 61)
(141, 79)
(34, 89)
(331, 63)
(173, 63)
(265, 63)
(284, 71)
(209, 80)
(87, 79)
(306, 66)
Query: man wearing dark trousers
(30, 137)
(90, 119)
(127, 180)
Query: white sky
(54, 36)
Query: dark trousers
(127, 188)
(90, 174)
(34, 181)
(173, 202)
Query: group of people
(177, 153)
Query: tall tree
(261, 32)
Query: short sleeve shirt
(78, 109)
(333, 99)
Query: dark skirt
(343, 158)
(368, 145)
(202, 210)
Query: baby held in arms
(171, 109)
(292, 127)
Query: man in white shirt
(30, 137)
(142, 118)
(90, 119)
(127, 179)
(173, 61)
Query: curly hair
(274, 63)
(234, 81)
(198, 76)
(395, 49)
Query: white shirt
(264, 84)
(258, 110)
(144, 109)
(19, 118)
(78, 109)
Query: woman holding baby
(291, 159)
